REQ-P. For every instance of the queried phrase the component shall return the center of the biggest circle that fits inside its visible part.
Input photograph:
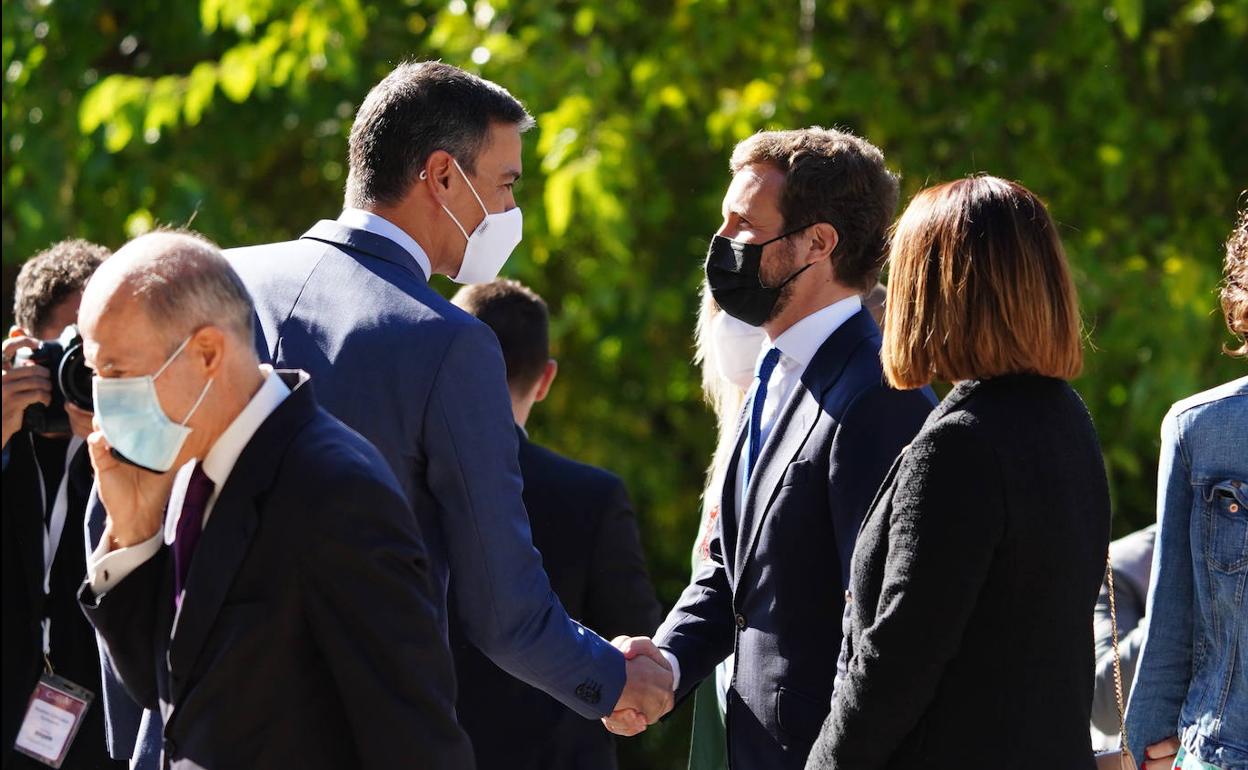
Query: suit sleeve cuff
(106, 568)
(675, 664)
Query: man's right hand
(647, 695)
(134, 498)
(23, 385)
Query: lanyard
(55, 526)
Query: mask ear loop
(202, 394)
(790, 279)
(424, 175)
(173, 357)
(470, 187)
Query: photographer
(47, 479)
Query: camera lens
(74, 377)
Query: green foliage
(1127, 116)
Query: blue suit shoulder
(285, 276)
(862, 389)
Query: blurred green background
(1129, 117)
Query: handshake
(647, 695)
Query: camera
(71, 381)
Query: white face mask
(130, 416)
(490, 244)
(736, 346)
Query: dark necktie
(755, 443)
(190, 525)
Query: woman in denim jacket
(1189, 706)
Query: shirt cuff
(675, 664)
(106, 568)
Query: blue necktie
(755, 443)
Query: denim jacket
(1192, 678)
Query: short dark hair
(1234, 293)
(52, 276)
(519, 319)
(419, 108)
(978, 287)
(835, 177)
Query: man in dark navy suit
(434, 155)
(583, 526)
(260, 578)
(805, 222)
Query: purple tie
(190, 525)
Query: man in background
(584, 527)
(47, 479)
(1132, 560)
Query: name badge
(53, 717)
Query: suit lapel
(29, 518)
(221, 550)
(785, 441)
(224, 544)
(728, 515)
(794, 426)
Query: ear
(823, 240)
(438, 170)
(207, 349)
(548, 377)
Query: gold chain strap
(1113, 624)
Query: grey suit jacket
(1132, 557)
(425, 383)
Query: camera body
(71, 381)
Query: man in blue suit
(805, 222)
(434, 153)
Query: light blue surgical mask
(138, 430)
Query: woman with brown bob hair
(968, 625)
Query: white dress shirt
(798, 345)
(106, 568)
(378, 225)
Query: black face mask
(732, 272)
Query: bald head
(170, 307)
(179, 281)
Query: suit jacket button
(170, 748)
(589, 691)
(740, 621)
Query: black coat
(774, 587)
(583, 525)
(73, 640)
(969, 630)
(308, 634)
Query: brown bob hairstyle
(978, 287)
